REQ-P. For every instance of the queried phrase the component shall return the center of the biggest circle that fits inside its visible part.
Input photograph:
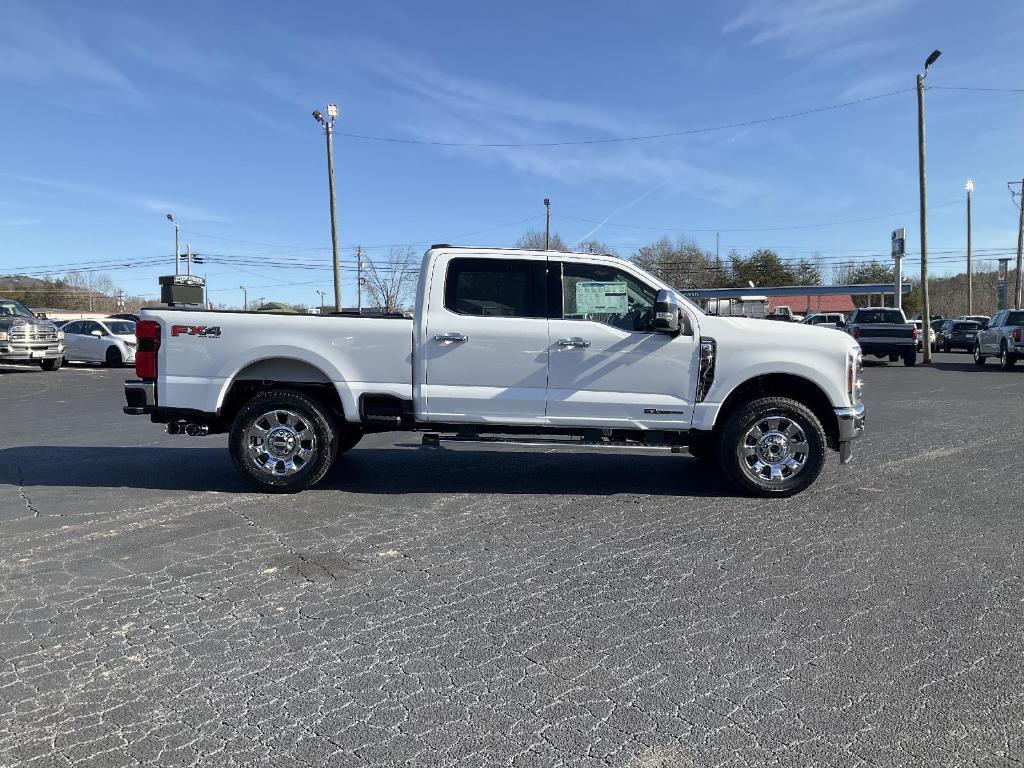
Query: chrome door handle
(458, 338)
(572, 343)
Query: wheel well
(279, 373)
(785, 385)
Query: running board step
(434, 439)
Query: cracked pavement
(511, 607)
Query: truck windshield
(880, 316)
(10, 308)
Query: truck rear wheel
(283, 441)
(910, 357)
(51, 365)
(772, 446)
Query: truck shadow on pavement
(381, 471)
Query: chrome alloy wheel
(774, 449)
(281, 443)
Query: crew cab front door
(485, 341)
(608, 367)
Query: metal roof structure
(795, 290)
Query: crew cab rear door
(608, 367)
(485, 340)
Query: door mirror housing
(97, 333)
(667, 313)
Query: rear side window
(496, 287)
(1015, 318)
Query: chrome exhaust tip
(196, 430)
(172, 428)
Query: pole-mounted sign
(899, 242)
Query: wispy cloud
(18, 222)
(831, 27)
(436, 105)
(35, 48)
(127, 199)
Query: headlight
(60, 335)
(3, 336)
(854, 368)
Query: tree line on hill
(685, 265)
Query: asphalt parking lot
(526, 607)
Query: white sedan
(100, 341)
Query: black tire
(273, 471)
(113, 357)
(740, 465)
(979, 359)
(946, 347)
(702, 447)
(51, 365)
(893, 358)
(348, 439)
(910, 357)
(1006, 359)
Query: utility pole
(177, 258)
(1020, 248)
(547, 225)
(322, 294)
(359, 277)
(245, 298)
(970, 272)
(925, 304)
(328, 126)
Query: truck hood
(773, 332)
(7, 323)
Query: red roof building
(806, 305)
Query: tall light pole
(328, 126)
(970, 272)
(245, 298)
(925, 304)
(1020, 250)
(322, 294)
(177, 258)
(547, 225)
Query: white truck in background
(578, 349)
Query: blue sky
(115, 113)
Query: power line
(623, 139)
(970, 88)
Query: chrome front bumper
(31, 352)
(851, 426)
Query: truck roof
(509, 250)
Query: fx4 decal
(205, 331)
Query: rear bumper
(140, 396)
(851, 426)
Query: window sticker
(601, 298)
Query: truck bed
(203, 352)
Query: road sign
(899, 240)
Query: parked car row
(28, 338)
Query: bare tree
(682, 264)
(534, 240)
(391, 283)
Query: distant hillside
(73, 291)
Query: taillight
(1016, 335)
(147, 333)
(917, 333)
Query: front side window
(608, 295)
(496, 287)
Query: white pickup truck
(577, 349)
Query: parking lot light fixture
(925, 303)
(177, 250)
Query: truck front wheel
(283, 441)
(53, 364)
(772, 446)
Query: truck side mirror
(97, 333)
(666, 313)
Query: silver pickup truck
(1002, 337)
(884, 332)
(25, 338)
